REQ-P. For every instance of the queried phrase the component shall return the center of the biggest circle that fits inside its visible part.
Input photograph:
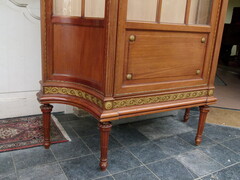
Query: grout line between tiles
(217, 171)
(138, 159)
(88, 148)
(14, 165)
(58, 163)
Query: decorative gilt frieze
(158, 99)
(74, 92)
(127, 102)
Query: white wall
(20, 59)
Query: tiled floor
(161, 148)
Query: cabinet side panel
(78, 55)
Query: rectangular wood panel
(166, 55)
(78, 54)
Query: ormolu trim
(158, 99)
(74, 92)
(126, 102)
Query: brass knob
(203, 40)
(132, 38)
(198, 72)
(129, 76)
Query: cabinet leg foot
(46, 116)
(105, 129)
(186, 115)
(202, 119)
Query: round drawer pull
(198, 71)
(203, 40)
(129, 76)
(132, 38)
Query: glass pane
(67, 7)
(200, 11)
(95, 8)
(142, 10)
(173, 11)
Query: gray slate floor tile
(233, 144)
(148, 152)
(127, 135)
(198, 162)
(231, 173)
(140, 173)
(83, 168)
(221, 133)
(190, 138)
(65, 117)
(174, 145)
(93, 143)
(106, 178)
(81, 122)
(171, 169)
(68, 150)
(70, 132)
(222, 155)
(86, 130)
(10, 177)
(43, 172)
(121, 160)
(161, 127)
(6, 164)
(32, 157)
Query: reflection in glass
(95, 8)
(173, 11)
(142, 10)
(67, 7)
(200, 12)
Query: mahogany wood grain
(186, 115)
(93, 22)
(105, 129)
(188, 8)
(202, 119)
(78, 55)
(88, 60)
(46, 116)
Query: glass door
(167, 44)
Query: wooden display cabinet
(123, 58)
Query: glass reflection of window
(170, 11)
(200, 11)
(67, 7)
(80, 8)
(142, 10)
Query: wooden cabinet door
(164, 44)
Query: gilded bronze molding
(108, 105)
(127, 102)
(158, 99)
(74, 92)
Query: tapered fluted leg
(46, 116)
(186, 115)
(202, 119)
(105, 129)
